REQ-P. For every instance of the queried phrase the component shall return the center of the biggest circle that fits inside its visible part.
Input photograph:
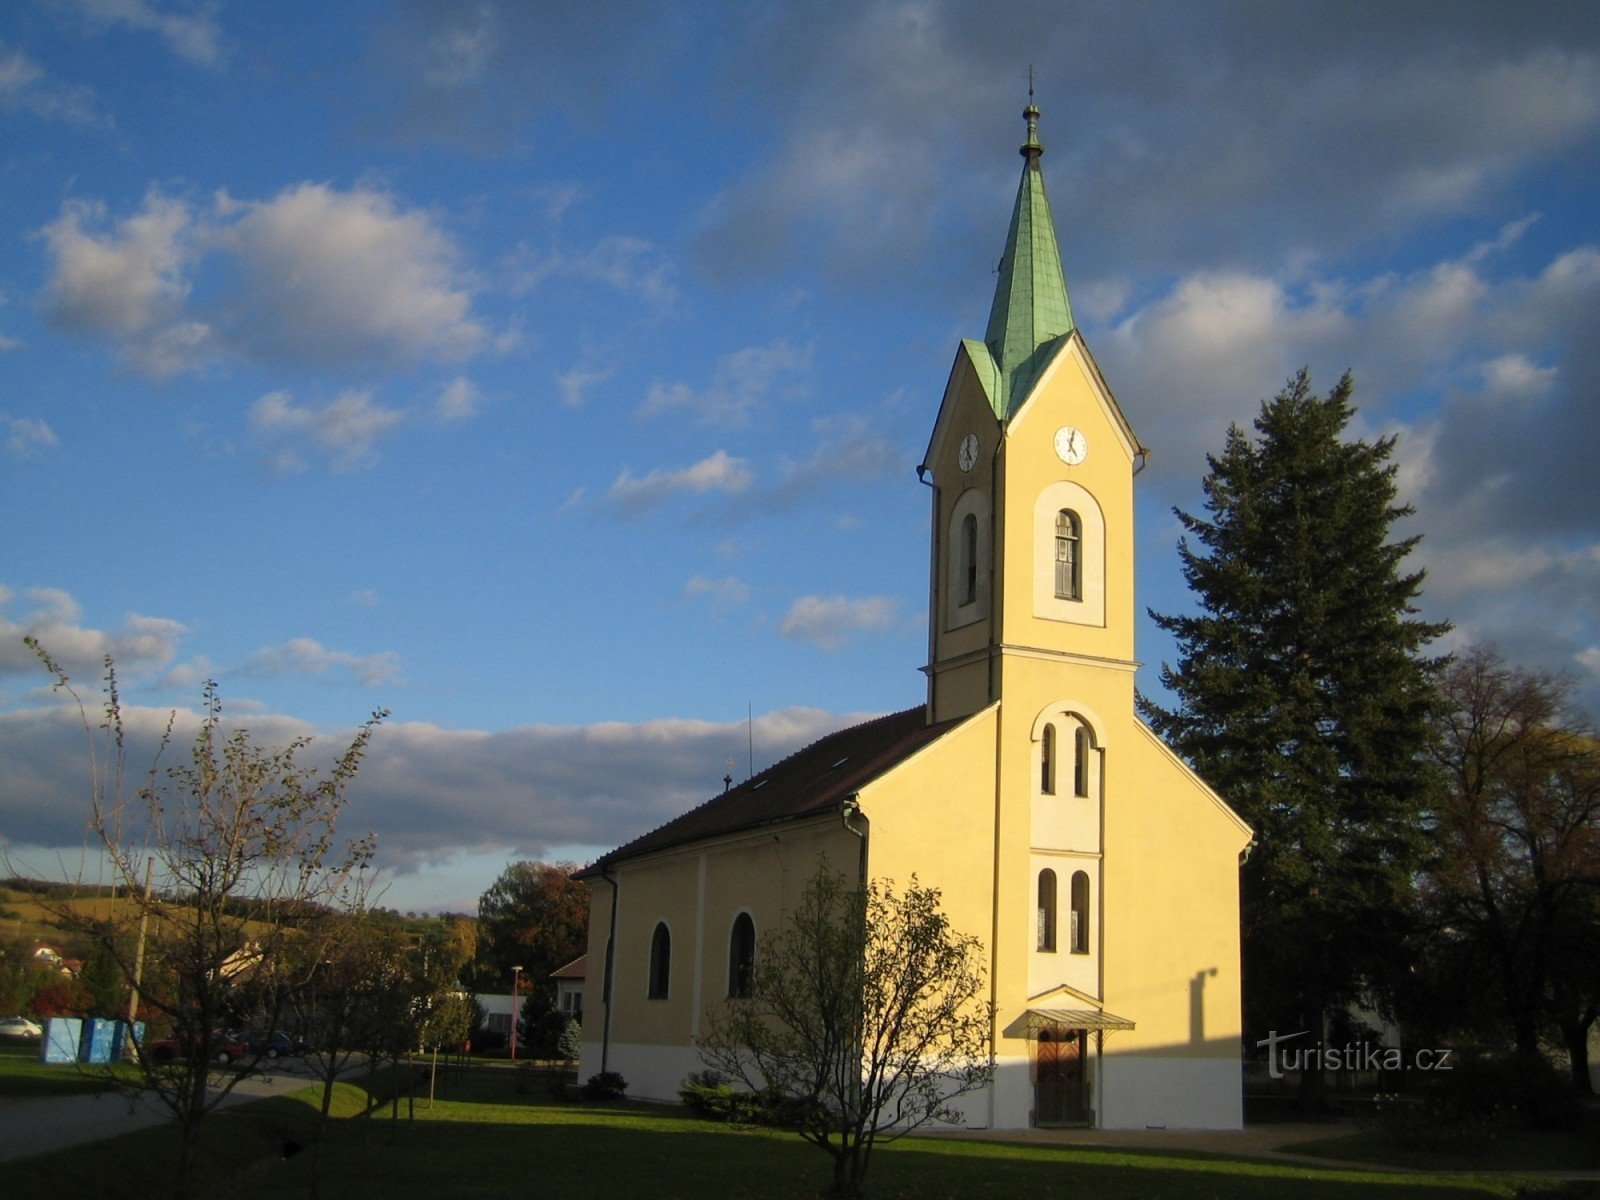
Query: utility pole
(138, 953)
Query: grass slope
(483, 1139)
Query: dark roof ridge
(801, 784)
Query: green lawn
(484, 1140)
(22, 1074)
(1515, 1151)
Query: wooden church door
(1059, 1092)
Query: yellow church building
(1100, 874)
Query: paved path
(37, 1125)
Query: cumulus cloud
(313, 276)
(830, 622)
(129, 281)
(741, 382)
(430, 793)
(719, 472)
(336, 276)
(344, 431)
(26, 436)
(304, 656)
(139, 644)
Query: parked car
(20, 1029)
(225, 1048)
(276, 1044)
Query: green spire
(1030, 301)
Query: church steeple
(1030, 300)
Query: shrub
(607, 1085)
(570, 1044)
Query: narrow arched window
(1069, 556)
(741, 955)
(660, 962)
(1080, 761)
(1080, 912)
(1047, 910)
(969, 558)
(1047, 761)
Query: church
(1099, 872)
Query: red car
(225, 1048)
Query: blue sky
(554, 376)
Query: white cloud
(314, 276)
(741, 382)
(140, 644)
(192, 34)
(128, 282)
(631, 266)
(719, 472)
(339, 276)
(429, 792)
(730, 589)
(345, 430)
(458, 401)
(829, 622)
(304, 656)
(575, 384)
(25, 87)
(26, 436)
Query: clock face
(967, 457)
(1071, 447)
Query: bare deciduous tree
(227, 861)
(864, 1018)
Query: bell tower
(1031, 464)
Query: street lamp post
(516, 973)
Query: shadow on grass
(485, 1142)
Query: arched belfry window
(741, 955)
(1081, 747)
(1046, 922)
(1047, 761)
(1080, 912)
(969, 558)
(660, 962)
(1069, 555)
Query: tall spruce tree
(1304, 695)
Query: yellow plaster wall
(698, 891)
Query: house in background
(1100, 874)
(569, 982)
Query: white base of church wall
(652, 1072)
(1140, 1092)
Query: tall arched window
(1069, 556)
(969, 558)
(1047, 910)
(741, 955)
(1080, 761)
(1047, 761)
(660, 962)
(1080, 912)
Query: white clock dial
(1071, 446)
(967, 456)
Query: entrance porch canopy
(1040, 1020)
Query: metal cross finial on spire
(1031, 149)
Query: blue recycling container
(124, 1038)
(60, 1041)
(95, 1044)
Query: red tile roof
(811, 781)
(576, 969)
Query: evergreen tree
(1304, 696)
